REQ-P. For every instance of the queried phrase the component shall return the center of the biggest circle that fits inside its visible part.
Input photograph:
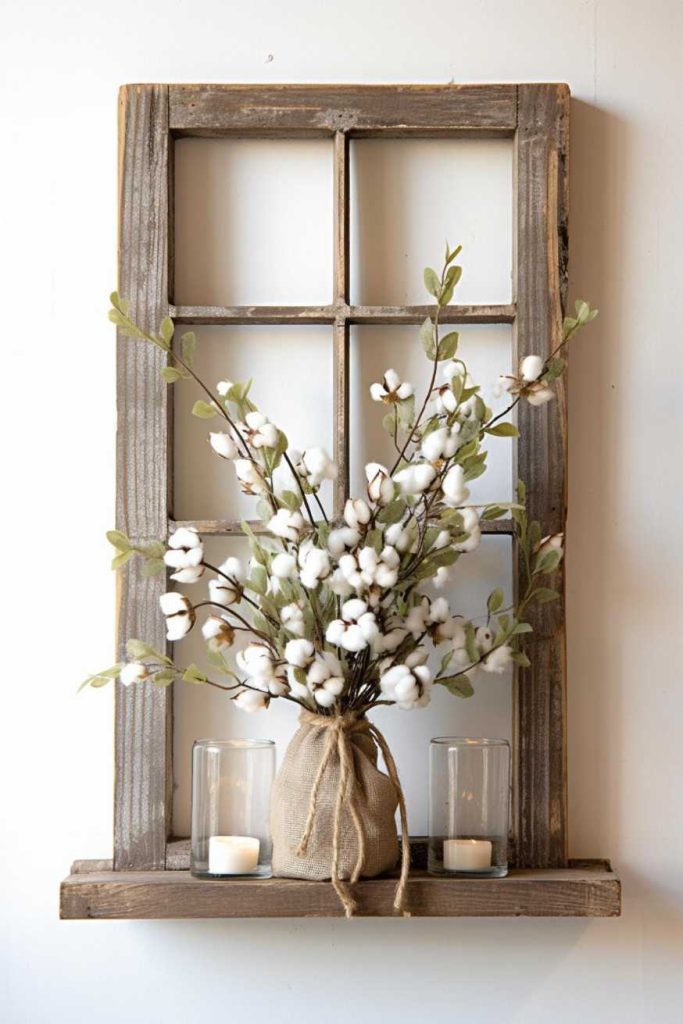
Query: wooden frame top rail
(357, 109)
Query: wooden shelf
(584, 889)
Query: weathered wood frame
(151, 116)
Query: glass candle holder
(469, 799)
(231, 784)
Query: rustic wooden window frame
(151, 117)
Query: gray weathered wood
(580, 892)
(495, 314)
(143, 713)
(233, 527)
(283, 110)
(540, 806)
(341, 333)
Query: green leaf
(153, 567)
(427, 338)
(544, 595)
(459, 686)
(101, 678)
(492, 512)
(118, 539)
(138, 649)
(192, 674)
(170, 375)
(522, 627)
(503, 430)
(166, 329)
(452, 277)
(392, 512)
(203, 410)
(520, 658)
(556, 368)
(374, 540)
(448, 345)
(495, 600)
(450, 256)
(390, 421)
(258, 581)
(445, 662)
(547, 563)
(120, 560)
(164, 678)
(405, 411)
(291, 500)
(155, 549)
(432, 282)
(188, 344)
(521, 492)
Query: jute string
(340, 729)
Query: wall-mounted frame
(148, 876)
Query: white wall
(61, 64)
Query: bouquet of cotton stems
(338, 617)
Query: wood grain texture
(233, 527)
(143, 714)
(574, 892)
(341, 334)
(540, 806)
(494, 314)
(283, 110)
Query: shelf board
(584, 889)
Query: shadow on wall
(599, 143)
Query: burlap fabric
(333, 811)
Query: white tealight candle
(467, 854)
(233, 855)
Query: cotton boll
(380, 485)
(392, 389)
(283, 566)
(185, 549)
(249, 477)
(498, 660)
(224, 592)
(218, 633)
(250, 700)
(415, 479)
(233, 567)
(286, 524)
(317, 466)
(356, 513)
(530, 368)
(292, 618)
(299, 652)
(134, 672)
(342, 538)
(314, 564)
(484, 639)
(223, 445)
(188, 575)
(442, 578)
(454, 490)
(540, 395)
(179, 614)
(259, 431)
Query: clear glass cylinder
(469, 800)
(231, 785)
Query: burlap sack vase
(333, 810)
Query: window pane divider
(503, 313)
